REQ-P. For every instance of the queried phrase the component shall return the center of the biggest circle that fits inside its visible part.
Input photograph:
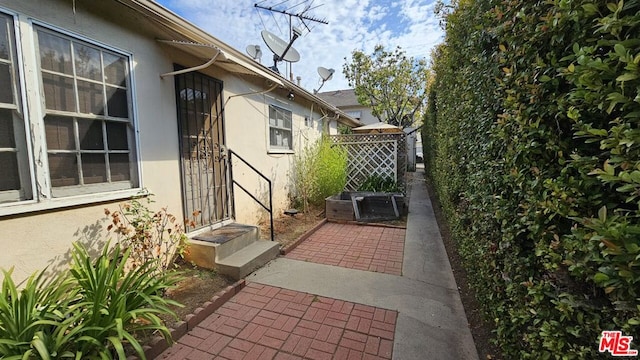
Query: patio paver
(369, 248)
(268, 322)
(276, 316)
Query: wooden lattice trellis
(374, 154)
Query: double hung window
(79, 126)
(87, 115)
(280, 128)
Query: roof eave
(188, 31)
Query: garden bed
(371, 206)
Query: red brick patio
(266, 322)
(370, 248)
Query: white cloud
(353, 24)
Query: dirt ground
(288, 228)
(197, 287)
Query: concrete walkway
(341, 295)
(431, 320)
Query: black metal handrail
(234, 182)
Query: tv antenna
(300, 15)
(325, 75)
(280, 48)
(255, 52)
(291, 12)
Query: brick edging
(158, 344)
(353, 222)
(285, 250)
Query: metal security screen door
(204, 163)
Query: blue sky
(353, 24)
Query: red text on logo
(617, 344)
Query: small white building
(102, 99)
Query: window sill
(280, 151)
(23, 207)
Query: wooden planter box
(340, 207)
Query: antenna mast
(300, 15)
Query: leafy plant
(531, 140)
(114, 303)
(151, 235)
(304, 179)
(37, 319)
(92, 311)
(320, 171)
(379, 183)
(344, 129)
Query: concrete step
(234, 250)
(248, 259)
(206, 248)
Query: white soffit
(205, 51)
(224, 60)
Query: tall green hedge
(532, 141)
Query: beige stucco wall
(34, 239)
(247, 132)
(246, 121)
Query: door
(205, 193)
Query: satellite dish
(255, 52)
(325, 74)
(281, 48)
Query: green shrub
(379, 183)
(320, 170)
(344, 129)
(331, 170)
(531, 140)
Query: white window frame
(34, 111)
(276, 148)
(20, 122)
(77, 117)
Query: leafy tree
(390, 83)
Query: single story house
(102, 99)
